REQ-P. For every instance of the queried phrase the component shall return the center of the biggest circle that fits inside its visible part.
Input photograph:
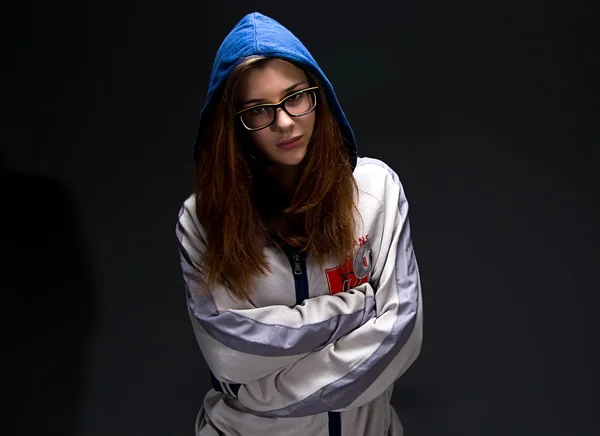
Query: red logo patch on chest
(342, 277)
(352, 272)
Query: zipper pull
(298, 269)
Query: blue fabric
(257, 34)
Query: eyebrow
(285, 91)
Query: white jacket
(316, 351)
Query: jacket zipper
(298, 263)
(297, 266)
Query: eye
(257, 110)
(295, 97)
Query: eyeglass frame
(276, 106)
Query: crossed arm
(332, 352)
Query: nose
(282, 119)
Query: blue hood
(257, 34)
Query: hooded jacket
(316, 350)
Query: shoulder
(377, 178)
(375, 168)
(187, 220)
(187, 208)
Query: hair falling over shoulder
(322, 215)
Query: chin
(291, 157)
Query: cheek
(260, 138)
(310, 123)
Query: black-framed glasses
(296, 104)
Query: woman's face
(270, 83)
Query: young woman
(301, 280)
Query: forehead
(269, 80)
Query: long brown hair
(320, 219)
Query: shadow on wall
(48, 295)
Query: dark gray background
(484, 110)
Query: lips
(290, 142)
